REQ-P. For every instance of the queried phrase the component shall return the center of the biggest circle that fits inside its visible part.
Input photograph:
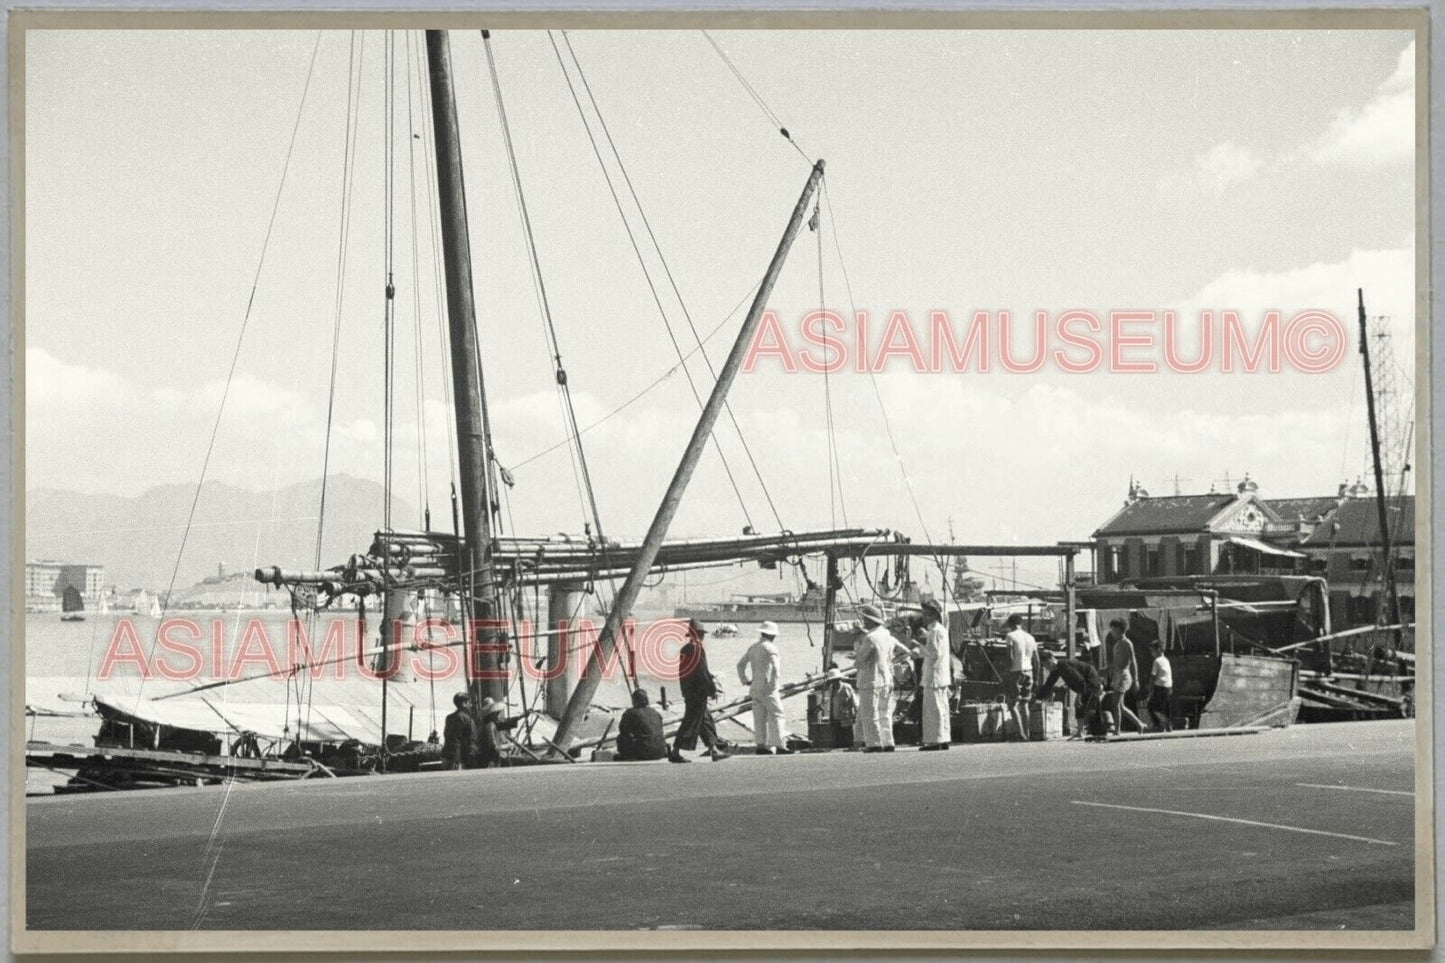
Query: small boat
(72, 605)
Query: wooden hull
(1218, 692)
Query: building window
(1151, 561)
(1405, 563)
(1360, 609)
(1116, 562)
(1318, 565)
(1359, 563)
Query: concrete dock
(1305, 828)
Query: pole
(830, 599)
(1391, 596)
(1071, 619)
(627, 595)
(467, 386)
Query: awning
(1264, 549)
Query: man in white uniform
(759, 669)
(874, 657)
(936, 679)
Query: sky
(1018, 170)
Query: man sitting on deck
(1083, 680)
(639, 733)
(489, 741)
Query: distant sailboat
(72, 605)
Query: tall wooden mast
(467, 386)
(1392, 599)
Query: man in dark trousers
(459, 743)
(698, 686)
(639, 733)
(1083, 680)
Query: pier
(1310, 827)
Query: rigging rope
(772, 116)
(835, 469)
(418, 353)
(438, 285)
(236, 352)
(647, 276)
(559, 371)
(388, 232)
(651, 385)
(873, 378)
(667, 271)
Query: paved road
(982, 837)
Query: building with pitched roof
(1221, 532)
(1335, 536)
(1346, 549)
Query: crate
(1046, 720)
(979, 722)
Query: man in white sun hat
(874, 657)
(760, 669)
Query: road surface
(1305, 828)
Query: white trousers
(866, 725)
(936, 722)
(883, 703)
(769, 729)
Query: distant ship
(72, 605)
(782, 607)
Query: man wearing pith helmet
(874, 657)
(760, 669)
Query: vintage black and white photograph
(485, 480)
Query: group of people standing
(1105, 697)
(474, 739)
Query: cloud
(1387, 277)
(1380, 132)
(52, 383)
(1215, 170)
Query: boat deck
(1309, 827)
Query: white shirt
(1022, 648)
(874, 657)
(936, 662)
(763, 659)
(1163, 673)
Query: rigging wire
(667, 271)
(418, 353)
(647, 276)
(650, 386)
(772, 116)
(388, 233)
(236, 352)
(577, 452)
(540, 289)
(835, 468)
(872, 377)
(434, 220)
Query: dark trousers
(696, 721)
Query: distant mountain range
(137, 538)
